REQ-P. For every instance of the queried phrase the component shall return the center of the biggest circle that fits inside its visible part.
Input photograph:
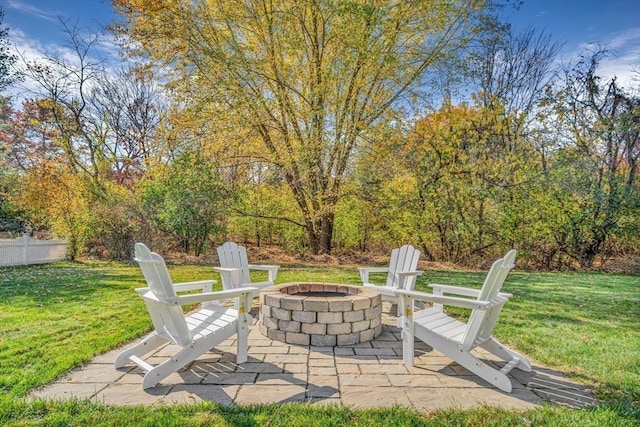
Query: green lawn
(54, 317)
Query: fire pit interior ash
(320, 314)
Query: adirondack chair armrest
(205, 285)
(459, 290)
(445, 300)
(456, 290)
(410, 273)
(225, 269)
(210, 296)
(271, 269)
(404, 274)
(365, 271)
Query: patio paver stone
(363, 375)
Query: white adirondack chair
(457, 339)
(401, 273)
(195, 333)
(235, 268)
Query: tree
(7, 75)
(105, 121)
(187, 200)
(512, 72)
(130, 109)
(98, 126)
(6, 113)
(33, 139)
(596, 160)
(462, 170)
(309, 78)
(45, 190)
(514, 69)
(258, 205)
(466, 169)
(52, 199)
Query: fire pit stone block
(320, 314)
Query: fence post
(25, 248)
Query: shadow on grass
(552, 386)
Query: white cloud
(625, 60)
(622, 61)
(630, 37)
(30, 50)
(30, 9)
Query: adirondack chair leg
(148, 344)
(170, 366)
(244, 321)
(466, 360)
(483, 370)
(496, 347)
(408, 342)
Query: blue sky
(614, 24)
(34, 26)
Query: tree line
(325, 127)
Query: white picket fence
(27, 250)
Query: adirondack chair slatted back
(168, 320)
(481, 322)
(232, 255)
(404, 258)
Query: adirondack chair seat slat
(446, 327)
(455, 338)
(453, 331)
(206, 322)
(442, 324)
(431, 316)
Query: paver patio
(370, 374)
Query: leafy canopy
(311, 79)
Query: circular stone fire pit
(320, 314)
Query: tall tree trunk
(320, 232)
